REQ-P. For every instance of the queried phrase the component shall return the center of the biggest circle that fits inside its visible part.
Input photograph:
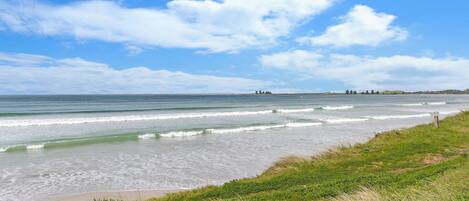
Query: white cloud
(215, 26)
(368, 72)
(291, 59)
(34, 74)
(361, 26)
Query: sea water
(59, 145)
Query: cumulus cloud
(361, 26)
(365, 72)
(296, 59)
(215, 26)
(35, 74)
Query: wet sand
(137, 195)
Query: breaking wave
(294, 110)
(127, 137)
(436, 103)
(342, 107)
(178, 134)
(107, 119)
(83, 120)
(181, 133)
(147, 136)
(345, 120)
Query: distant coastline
(372, 92)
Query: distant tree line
(363, 92)
(448, 91)
(263, 92)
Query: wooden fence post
(436, 120)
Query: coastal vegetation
(419, 163)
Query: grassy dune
(420, 163)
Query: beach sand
(137, 195)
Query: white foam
(147, 136)
(181, 134)
(384, 117)
(295, 110)
(345, 120)
(342, 107)
(303, 124)
(82, 120)
(35, 146)
(259, 128)
(243, 129)
(412, 104)
(3, 149)
(436, 103)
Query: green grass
(420, 163)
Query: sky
(231, 46)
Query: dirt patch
(434, 159)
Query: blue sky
(231, 46)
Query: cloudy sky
(231, 46)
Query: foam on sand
(342, 107)
(449, 112)
(384, 117)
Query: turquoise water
(55, 145)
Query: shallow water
(55, 145)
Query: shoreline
(141, 195)
(134, 195)
(416, 163)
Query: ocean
(68, 144)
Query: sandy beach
(132, 195)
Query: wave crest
(342, 107)
(295, 110)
